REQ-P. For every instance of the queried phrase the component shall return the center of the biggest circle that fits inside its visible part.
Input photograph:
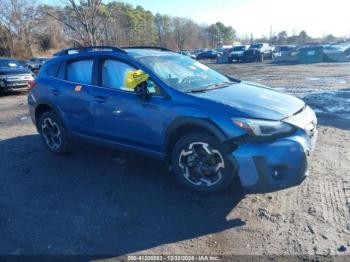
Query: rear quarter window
(79, 71)
(52, 69)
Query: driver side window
(114, 75)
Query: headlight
(262, 128)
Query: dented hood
(255, 101)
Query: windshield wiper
(210, 87)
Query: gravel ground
(99, 201)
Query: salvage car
(14, 76)
(208, 54)
(209, 129)
(237, 53)
(187, 53)
(258, 53)
(285, 54)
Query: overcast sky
(317, 17)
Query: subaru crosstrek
(207, 127)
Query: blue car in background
(208, 128)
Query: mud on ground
(99, 201)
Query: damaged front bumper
(279, 164)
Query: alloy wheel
(201, 164)
(51, 133)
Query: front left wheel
(54, 133)
(200, 163)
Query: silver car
(14, 76)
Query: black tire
(195, 142)
(54, 133)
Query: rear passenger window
(80, 72)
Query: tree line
(28, 28)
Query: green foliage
(220, 34)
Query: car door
(70, 93)
(120, 115)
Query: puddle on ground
(335, 103)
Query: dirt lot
(98, 201)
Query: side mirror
(142, 92)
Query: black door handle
(100, 99)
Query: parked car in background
(208, 54)
(285, 54)
(237, 52)
(337, 52)
(258, 52)
(36, 63)
(208, 128)
(14, 76)
(187, 53)
(224, 50)
(21, 63)
(282, 50)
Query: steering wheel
(189, 80)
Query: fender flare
(205, 123)
(54, 108)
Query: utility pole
(271, 35)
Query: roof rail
(86, 49)
(148, 47)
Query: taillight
(31, 84)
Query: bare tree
(81, 20)
(86, 13)
(19, 17)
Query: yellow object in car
(134, 78)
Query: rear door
(119, 114)
(70, 93)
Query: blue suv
(208, 128)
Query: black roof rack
(85, 49)
(148, 47)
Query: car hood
(255, 100)
(14, 71)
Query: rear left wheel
(200, 164)
(54, 133)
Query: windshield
(183, 73)
(256, 46)
(239, 48)
(8, 63)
